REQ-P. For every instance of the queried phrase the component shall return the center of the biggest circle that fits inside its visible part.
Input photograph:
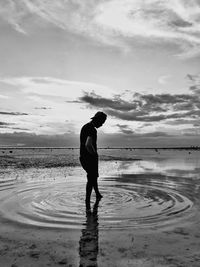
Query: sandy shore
(39, 247)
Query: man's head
(99, 119)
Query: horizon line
(174, 147)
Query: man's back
(87, 130)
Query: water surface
(160, 189)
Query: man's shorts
(90, 165)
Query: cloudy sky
(136, 60)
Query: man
(89, 155)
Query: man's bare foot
(99, 196)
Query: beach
(115, 84)
(149, 215)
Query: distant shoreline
(126, 148)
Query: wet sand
(149, 216)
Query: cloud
(13, 13)
(144, 125)
(34, 140)
(114, 22)
(49, 102)
(191, 132)
(5, 123)
(125, 129)
(194, 83)
(44, 108)
(153, 139)
(14, 128)
(194, 78)
(48, 86)
(136, 116)
(4, 96)
(155, 134)
(196, 124)
(147, 107)
(116, 103)
(166, 98)
(176, 122)
(163, 79)
(13, 113)
(175, 21)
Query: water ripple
(61, 204)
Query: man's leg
(89, 186)
(95, 177)
(96, 188)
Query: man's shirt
(87, 130)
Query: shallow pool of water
(148, 193)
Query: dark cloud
(13, 113)
(135, 116)
(185, 106)
(195, 88)
(153, 139)
(156, 134)
(195, 83)
(125, 129)
(20, 129)
(41, 80)
(47, 80)
(182, 122)
(167, 102)
(193, 113)
(196, 124)
(146, 124)
(5, 123)
(178, 22)
(34, 140)
(14, 128)
(147, 107)
(115, 103)
(74, 101)
(185, 102)
(165, 98)
(192, 77)
(42, 108)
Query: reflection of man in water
(88, 244)
(89, 155)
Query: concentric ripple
(61, 204)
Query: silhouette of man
(89, 155)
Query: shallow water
(152, 192)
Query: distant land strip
(126, 148)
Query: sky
(136, 60)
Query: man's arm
(89, 146)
